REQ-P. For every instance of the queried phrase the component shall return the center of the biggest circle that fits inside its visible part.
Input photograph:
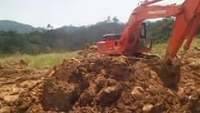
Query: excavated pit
(95, 83)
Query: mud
(95, 83)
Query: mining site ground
(94, 83)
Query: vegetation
(159, 48)
(40, 61)
(68, 38)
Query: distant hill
(7, 25)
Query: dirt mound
(103, 84)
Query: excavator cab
(110, 44)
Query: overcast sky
(39, 13)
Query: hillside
(56, 40)
(70, 38)
(8, 25)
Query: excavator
(133, 39)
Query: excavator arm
(185, 29)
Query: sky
(39, 13)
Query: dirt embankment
(103, 84)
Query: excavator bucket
(170, 74)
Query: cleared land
(93, 83)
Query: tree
(108, 20)
(49, 27)
(115, 20)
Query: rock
(147, 108)
(109, 95)
(137, 91)
(195, 65)
(11, 98)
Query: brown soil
(16, 79)
(94, 83)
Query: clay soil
(94, 83)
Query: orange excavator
(133, 39)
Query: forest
(70, 38)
